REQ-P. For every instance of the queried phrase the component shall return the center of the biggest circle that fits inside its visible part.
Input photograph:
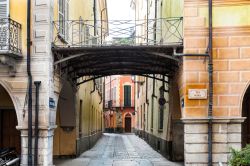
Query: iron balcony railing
(10, 36)
(78, 33)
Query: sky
(119, 10)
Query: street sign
(52, 103)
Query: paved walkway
(119, 150)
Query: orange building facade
(119, 104)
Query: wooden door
(128, 124)
(10, 136)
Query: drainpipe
(37, 84)
(210, 70)
(94, 10)
(93, 87)
(29, 85)
(147, 21)
(153, 94)
(155, 25)
(147, 90)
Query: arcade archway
(9, 136)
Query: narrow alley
(119, 150)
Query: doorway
(128, 123)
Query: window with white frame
(4, 9)
(4, 14)
(63, 15)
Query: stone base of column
(226, 135)
(45, 146)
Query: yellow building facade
(58, 99)
(160, 125)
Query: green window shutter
(127, 96)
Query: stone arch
(14, 100)
(128, 114)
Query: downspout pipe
(93, 87)
(29, 85)
(210, 70)
(37, 85)
(155, 25)
(147, 91)
(94, 11)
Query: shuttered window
(127, 96)
(4, 8)
(63, 15)
(4, 13)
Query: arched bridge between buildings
(128, 52)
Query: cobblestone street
(119, 150)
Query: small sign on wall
(197, 94)
(52, 103)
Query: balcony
(89, 33)
(10, 43)
(10, 37)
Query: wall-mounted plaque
(197, 94)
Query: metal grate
(162, 31)
(10, 35)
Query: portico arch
(10, 137)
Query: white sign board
(197, 93)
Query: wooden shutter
(127, 96)
(4, 8)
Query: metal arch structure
(116, 60)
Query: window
(161, 110)
(127, 96)
(141, 117)
(4, 9)
(80, 119)
(63, 15)
(161, 118)
(4, 13)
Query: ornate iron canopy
(112, 60)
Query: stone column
(45, 146)
(226, 135)
(42, 70)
